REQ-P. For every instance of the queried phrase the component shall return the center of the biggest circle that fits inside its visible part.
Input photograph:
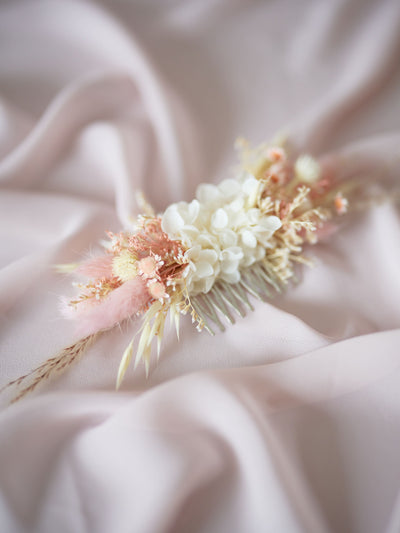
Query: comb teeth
(224, 298)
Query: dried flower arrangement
(204, 258)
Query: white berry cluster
(222, 231)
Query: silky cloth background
(289, 421)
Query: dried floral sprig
(204, 258)
(57, 364)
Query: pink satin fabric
(287, 422)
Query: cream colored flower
(222, 230)
(124, 265)
(307, 169)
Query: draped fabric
(287, 422)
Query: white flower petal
(272, 223)
(248, 260)
(249, 239)
(207, 193)
(229, 266)
(233, 253)
(208, 285)
(237, 220)
(227, 238)
(253, 215)
(193, 253)
(190, 231)
(229, 188)
(264, 239)
(205, 284)
(206, 240)
(259, 253)
(172, 221)
(219, 219)
(250, 186)
(237, 204)
(193, 210)
(203, 269)
(210, 256)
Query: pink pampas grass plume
(127, 300)
(73, 312)
(98, 267)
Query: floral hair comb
(205, 258)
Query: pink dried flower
(278, 173)
(152, 240)
(157, 290)
(148, 266)
(118, 241)
(276, 154)
(341, 204)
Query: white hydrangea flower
(222, 230)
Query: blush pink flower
(148, 266)
(341, 204)
(157, 290)
(276, 153)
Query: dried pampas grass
(55, 365)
